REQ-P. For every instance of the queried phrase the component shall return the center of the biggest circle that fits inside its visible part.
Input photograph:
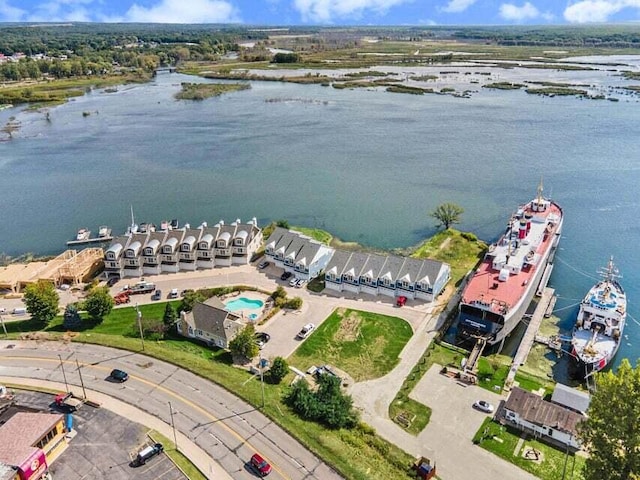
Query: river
(366, 165)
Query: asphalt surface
(225, 427)
(103, 446)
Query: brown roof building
(211, 323)
(530, 412)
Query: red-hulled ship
(513, 270)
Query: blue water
(367, 166)
(243, 304)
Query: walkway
(529, 336)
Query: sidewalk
(189, 449)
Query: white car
(293, 282)
(300, 283)
(306, 330)
(483, 406)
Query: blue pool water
(253, 316)
(243, 304)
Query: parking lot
(103, 446)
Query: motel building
(29, 442)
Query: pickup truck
(68, 401)
(141, 287)
(122, 297)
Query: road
(224, 426)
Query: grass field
(552, 460)
(358, 454)
(363, 344)
(460, 250)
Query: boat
(513, 270)
(104, 231)
(83, 234)
(599, 324)
(146, 227)
(165, 225)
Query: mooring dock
(530, 335)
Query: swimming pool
(243, 303)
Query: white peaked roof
(116, 248)
(171, 242)
(153, 245)
(135, 247)
(190, 240)
(243, 234)
(208, 238)
(224, 236)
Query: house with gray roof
(530, 413)
(205, 255)
(388, 275)
(187, 255)
(133, 255)
(210, 323)
(224, 244)
(297, 253)
(151, 261)
(572, 398)
(170, 249)
(247, 241)
(114, 257)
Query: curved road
(227, 428)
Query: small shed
(572, 398)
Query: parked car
(122, 297)
(401, 300)
(293, 282)
(262, 265)
(285, 276)
(119, 375)
(260, 465)
(483, 406)
(157, 295)
(262, 338)
(300, 283)
(306, 330)
(147, 453)
(112, 281)
(173, 293)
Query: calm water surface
(366, 165)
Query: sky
(325, 12)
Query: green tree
(41, 300)
(244, 344)
(282, 223)
(170, 316)
(611, 430)
(294, 303)
(279, 369)
(98, 303)
(71, 319)
(447, 214)
(189, 300)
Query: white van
(173, 293)
(19, 311)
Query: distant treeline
(612, 36)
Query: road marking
(215, 419)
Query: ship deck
(592, 349)
(485, 285)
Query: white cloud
(457, 6)
(184, 11)
(61, 11)
(9, 13)
(586, 11)
(514, 13)
(324, 11)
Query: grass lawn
(402, 404)
(176, 457)
(315, 233)
(493, 371)
(363, 344)
(452, 247)
(553, 460)
(357, 454)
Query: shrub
(469, 236)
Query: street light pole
(66, 385)
(139, 313)
(84, 393)
(173, 425)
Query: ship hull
(581, 369)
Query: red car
(260, 465)
(400, 301)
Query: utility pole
(140, 325)
(84, 393)
(173, 425)
(66, 385)
(262, 377)
(4, 327)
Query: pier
(90, 240)
(529, 336)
